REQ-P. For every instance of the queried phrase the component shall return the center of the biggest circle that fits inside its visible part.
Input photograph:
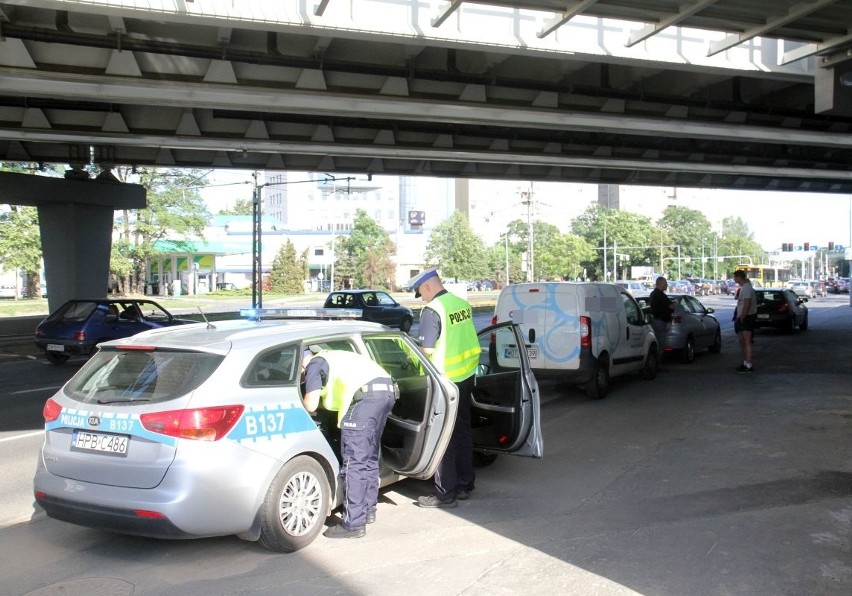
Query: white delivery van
(584, 333)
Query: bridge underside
(83, 84)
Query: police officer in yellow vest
(448, 336)
(363, 394)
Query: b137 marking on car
(271, 422)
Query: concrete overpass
(711, 93)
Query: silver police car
(199, 430)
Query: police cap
(418, 279)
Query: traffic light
(830, 245)
(807, 246)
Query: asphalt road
(699, 482)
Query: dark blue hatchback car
(376, 306)
(78, 326)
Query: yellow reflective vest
(347, 373)
(457, 349)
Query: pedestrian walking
(363, 394)
(448, 336)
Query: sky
(773, 217)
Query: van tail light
(585, 332)
(200, 424)
(80, 336)
(51, 410)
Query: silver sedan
(693, 327)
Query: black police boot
(342, 531)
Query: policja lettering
(459, 316)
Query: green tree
(364, 258)
(241, 207)
(563, 257)
(20, 245)
(20, 236)
(736, 227)
(496, 257)
(631, 234)
(175, 212)
(289, 271)
(691, 231)
(457, 250)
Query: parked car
(702, 287)
(78, 326)
(8, 291)
(693, 327)
(818, 288)
(635, 288)
(200, 430)
(375, 305)
(842, 284)
(802, 289)
(681, 286)
(782, 309)
(732, 287)
(579, 332)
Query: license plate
(55, 348)
(762, 317)
(100, 443)
(512, 353)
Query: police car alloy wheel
(295, 507)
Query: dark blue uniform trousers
(455, 472)
(360, 441)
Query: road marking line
(52, 387)
(24, 436)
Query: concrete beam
(27, 189)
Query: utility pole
(527, 197)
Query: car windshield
(131, 376)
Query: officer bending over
(362, 393)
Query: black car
(376, 306)
(782, 309)
(78, 326)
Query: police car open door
(420, 425)
(505, 415)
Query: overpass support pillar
(75, 220)
(76, 241)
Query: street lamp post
(256, 249)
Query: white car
(803, 289)
(199, 430)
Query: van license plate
(512, 353)
(100, 443)
(55, 348)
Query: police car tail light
(51, 410)
(585, 332)
(199, 424)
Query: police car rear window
(140, 376)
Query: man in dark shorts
(744, 317)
